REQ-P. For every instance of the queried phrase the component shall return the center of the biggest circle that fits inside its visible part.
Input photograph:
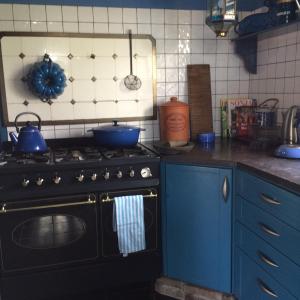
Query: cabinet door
(197, 226)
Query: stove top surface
(72, 154)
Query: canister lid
(175, 103)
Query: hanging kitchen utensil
(46, 79)
(132, 82)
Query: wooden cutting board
(200, 101)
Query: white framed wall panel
(95, 66)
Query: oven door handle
(91, 200)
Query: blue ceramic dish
(206, 137)
(116, 136)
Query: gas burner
(133, 152)
(76, 154)
(31, 158)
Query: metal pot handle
(263, 104)
(27, 113)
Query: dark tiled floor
(128, 293)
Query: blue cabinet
(267, 240)
(197, 205)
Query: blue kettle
(29, 139)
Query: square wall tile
(171, 31)
(38, 12)
(143, 15)
(157, 16)
(21, 12)
(54, 12)
(22, 26)
(144, 29)
(7, 26)
(55, 26)
(85, 14)
(129, 15)
(70, 26)
(171, 16)
(115, 15)
(115, 28)
(184, 17)
(158, 31)
(100, 14)
(37, 26)
(70, 13)
(198, 17)
(184, 32)
(6, 12)
(101, 27)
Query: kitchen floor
(134, 292)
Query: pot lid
(174, 103)
(29, 128)
(116, 127)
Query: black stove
(76, 165)
(56, 216)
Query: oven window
(52, 231)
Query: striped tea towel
(128, 222)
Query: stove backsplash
(181, 38)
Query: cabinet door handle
(267, 260)
(268, 199)
(266, 289)
(268, 230)
(225, 189)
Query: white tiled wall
(181, 35)
(278, 71)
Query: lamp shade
(222, 16)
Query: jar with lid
(174, 122)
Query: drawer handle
(269, 200)
(266, 260)
(225, 189)
(266, 289)
(268, 230)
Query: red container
(174, 122)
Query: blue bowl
(206, 137)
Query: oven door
(48, 232)
(110, 238)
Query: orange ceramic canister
(174, 122)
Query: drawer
(253, 283)
(281, 236)
(272, 261)
(280, 203)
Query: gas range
(56, 216)
(76, 165)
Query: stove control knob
(106, 175)
(131, 173)
(146, 172)
(39, 181)
(25, 182)
(119, 174)
(94, 177)
(56, 179)
(80, 177)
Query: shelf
(250, 35)
(246, 46)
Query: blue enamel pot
(116, 136)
